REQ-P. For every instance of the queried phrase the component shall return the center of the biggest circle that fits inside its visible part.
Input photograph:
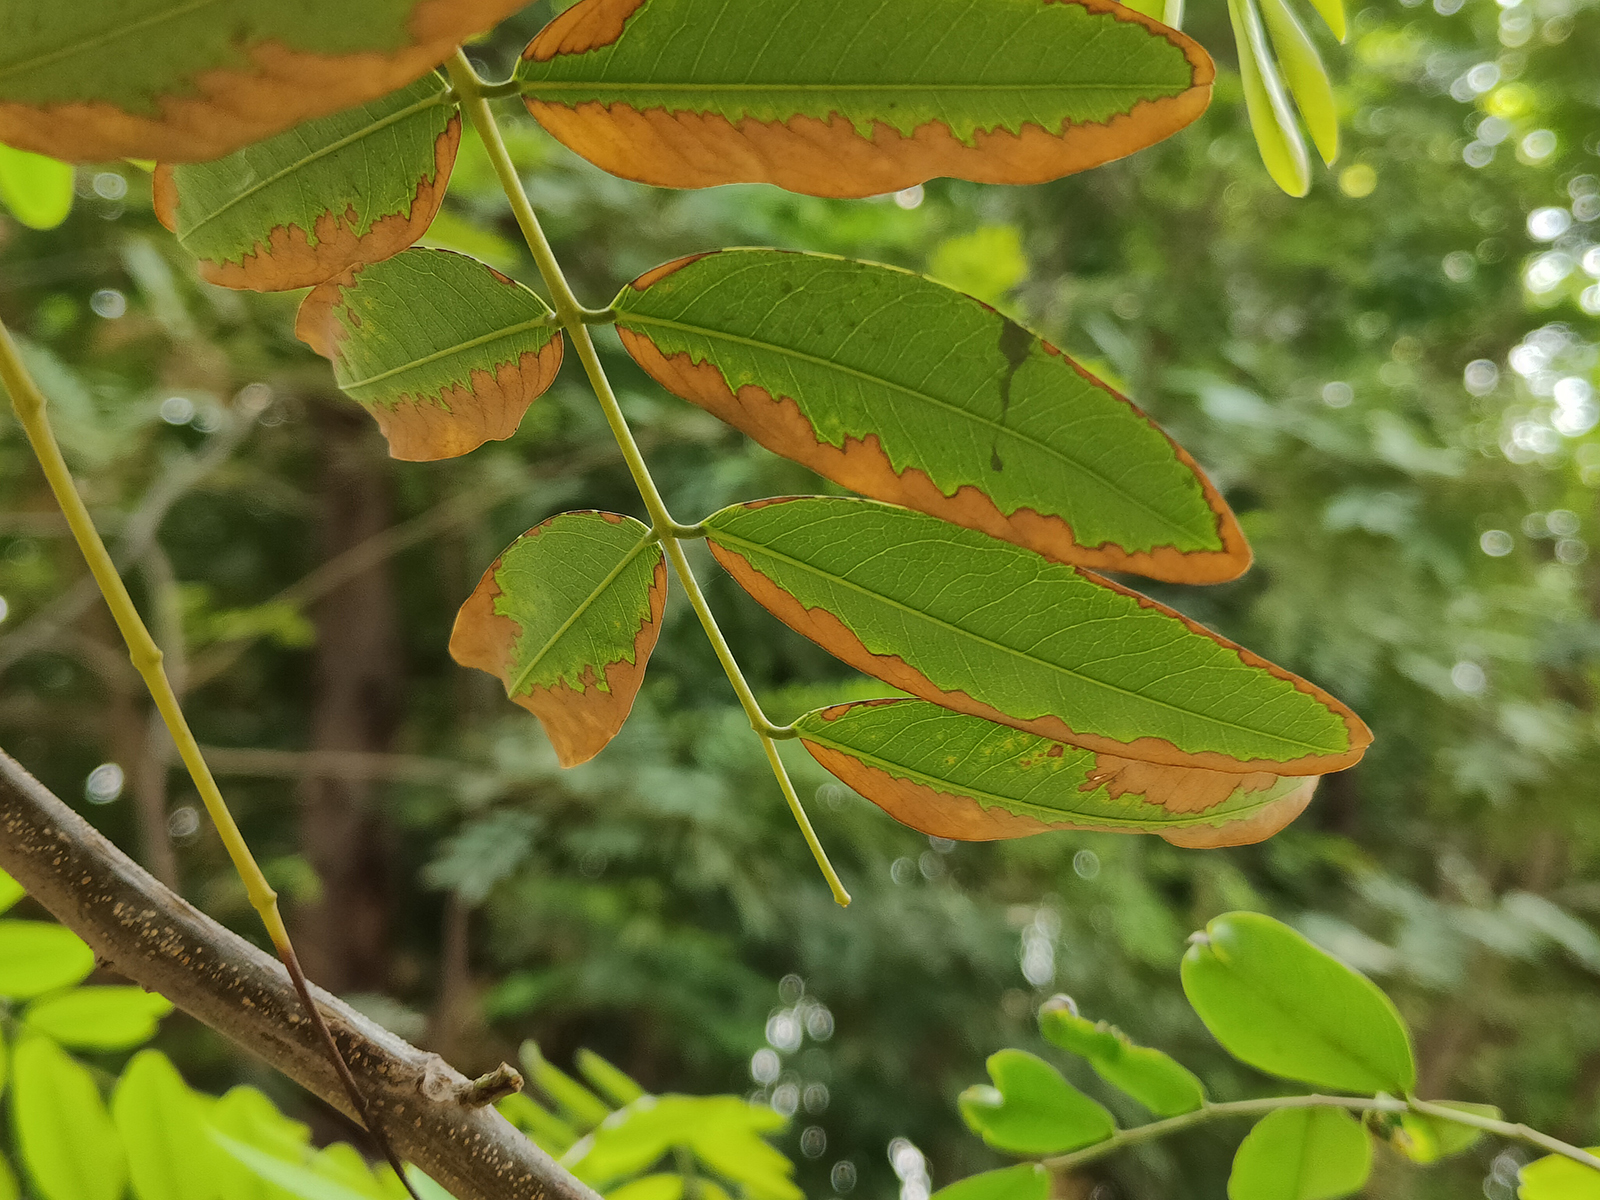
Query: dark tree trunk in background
(343, 937)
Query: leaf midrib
(627, 316)
(529, 86)
(539, 322)
(723, 536)
(109, 36)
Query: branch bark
(160, 941)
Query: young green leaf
(98, 1018)
(581, 1107)
(552, 1135)
(1025, 1181)
(248, 1117)
(10, 891)
(566, 618)
(37, 189)
(9, 1188)
(1332, 12)
(1301, 1154)
(1031, 1109)
(1306, 76)
(649, 1187)
(299, 1180)
(38, 957)
(993, 630)
(611, 1082)
(1426, 1139)
(445, 352)
(1556, 1178)
(300, 208)
(162, 1124)
(1164, 1086)
(69, 1146)
(724, 1131)
(1286, 1007)
(955, 776)
(838, 98)
(910, 392)
(185, 82)
(1271, 118)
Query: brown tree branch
(160, 941)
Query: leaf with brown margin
(906, 391)
(181, 81)
(566, 618)
(299, 208)
(951, 775)
(988, 628)
(841, 98)
(445, 352)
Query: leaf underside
(955, 776)
(566, 619)
(445, 352)
(909, 392)
(331, 194)
(840, 98)
(184, 82)
(990, 629)
(1301, 1154)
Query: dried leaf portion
(445, 352)
(906, 391)
(840, 98)
(951, 775)
(184, 82)
(299, 208)
(990, 629)
(566, 618)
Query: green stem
(28, 402)
(1140, 1134)
(575, 320)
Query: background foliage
(1393, 381)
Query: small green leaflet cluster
(616, 1137)
(1279, 1004)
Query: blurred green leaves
(37, 190)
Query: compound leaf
(1301, 1154)
(98, 1018)
(993, 630)
(956, 776)
(38, 957)
(906, 391)
(1025, 1181)
(299, 208)
(185, 82)
(445, 352)
(1291, 1009)
(162, 1126)
(1160, 1083)
(566, 618)
(36, 188)
(1031, 1109)
(839, 98)
(68, 1143)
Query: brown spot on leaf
(657, 274)
(1247, 831)
(862, 465)
(1176, 789)
(837, 639)
(216, 111)
(579, 721)
(586, 26)
(291, 260)
(164, 196)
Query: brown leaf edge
(221, 109)
(829, 158)
(290, 259)
(837, 639)
(962, 818)
(861, 465)
(487, 408)
(578, 721)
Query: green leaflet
(37, 189)
(910, 392)
(38, 957)
(951, 775)
(566, 618)
(162, 1127)
(581, 1107)
(10, 891)
(607, 1079)
(1025, 1181)
(1301, 1154)
(1271, 118)
(301, 207)
(1031, 1109)
(1158, 1082)
(1286, 1007)
(1306, 76)
(1426, 1139)
(839, 98)
(443, 351)
(183, 81)
(1556, 1178)
(98, 1018)
(69, 1146)
(991, 629)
